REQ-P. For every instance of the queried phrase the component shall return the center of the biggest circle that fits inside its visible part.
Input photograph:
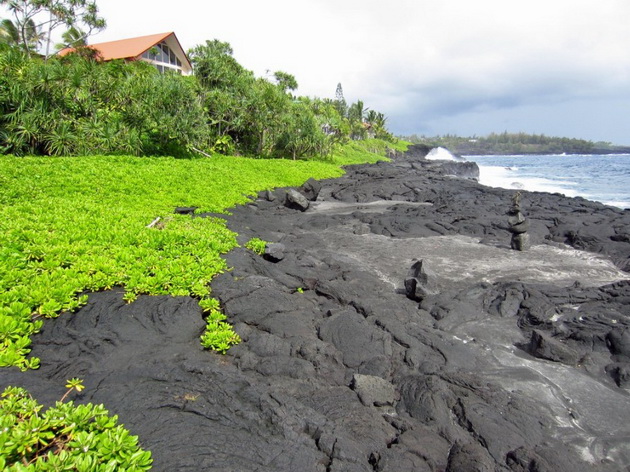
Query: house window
(166, 55)
(164, 58)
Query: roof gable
(133, 48)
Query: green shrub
(76, 106)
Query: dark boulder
(274, 252)
(374, 391)
(620, 373)
(296, 200)
(417, 151)
(268, 195)
(469, 457)
(311, 189)
(544, 346)
(185, 210)
(618, 341)
(464, 170)
(518, 223)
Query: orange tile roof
(127, 48)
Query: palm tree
(27, 37)
(357, 111)
(9, 33)
(356, 114)
(72, 38)
(377, 120)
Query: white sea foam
(618, 203)
(508, 177)
(440, 154)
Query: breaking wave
(441, 154)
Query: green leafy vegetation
(69, 226)
(219, 335)
(65, 436)
(35, 20)
(368, 151)
(104, 219)
(515, 143)
(79, 105)
(256, 245)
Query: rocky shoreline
(390, 326)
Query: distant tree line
(516, 143)
(78, 105)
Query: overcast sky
(559, 67)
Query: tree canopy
(76, 104)
(35, 20)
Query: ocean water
(602, 178)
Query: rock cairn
(518, 225)
(420, 282)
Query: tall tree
(356, 115)
(301, 134)
(47, 15)
(340, 101)
(377, 123)
(226, 87)
(357, 111)
(285, 81)
(215, 66)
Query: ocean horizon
(604, 178)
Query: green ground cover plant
(65, 436)
(256, 245)
(69, 226)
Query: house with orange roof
(162, 50)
